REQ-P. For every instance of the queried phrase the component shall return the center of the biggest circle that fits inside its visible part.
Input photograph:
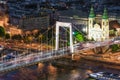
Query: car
(8, 57)
(1, 47)
(117, 41)
(96, 75)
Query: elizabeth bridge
(33, 58)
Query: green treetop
(2, 31)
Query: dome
(91, 15)
(105, 15)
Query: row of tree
(40, 36)
(3, 34)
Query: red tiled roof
(114, 24)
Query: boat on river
(104, 76)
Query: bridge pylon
(64, 24)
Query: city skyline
(59, 39)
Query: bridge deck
(33, 58)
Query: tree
(114, 47)
(40, 37)
(92, 39)
(2, 32)
(35, 33)
(30, 38)
(7, 36)
(17, 37)
(79, 36)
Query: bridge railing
(24, 60)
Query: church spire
(91, 15)
(105, 15)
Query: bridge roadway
(21, 61)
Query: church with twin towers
(98, 29)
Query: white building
(98, 31)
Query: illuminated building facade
(27, 15)
(15, 31)
(29, 22)
(98, 31)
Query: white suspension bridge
(32, 58)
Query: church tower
(98, 31)
(90, 22)
(105, 25)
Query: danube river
(50, 71)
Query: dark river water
(48, 71)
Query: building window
(90, 21)
(103, 23)
(107, 23)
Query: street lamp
(74, 34)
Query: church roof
(91, 15)
(105, 15)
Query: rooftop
(73, 13)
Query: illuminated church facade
(98, 31)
